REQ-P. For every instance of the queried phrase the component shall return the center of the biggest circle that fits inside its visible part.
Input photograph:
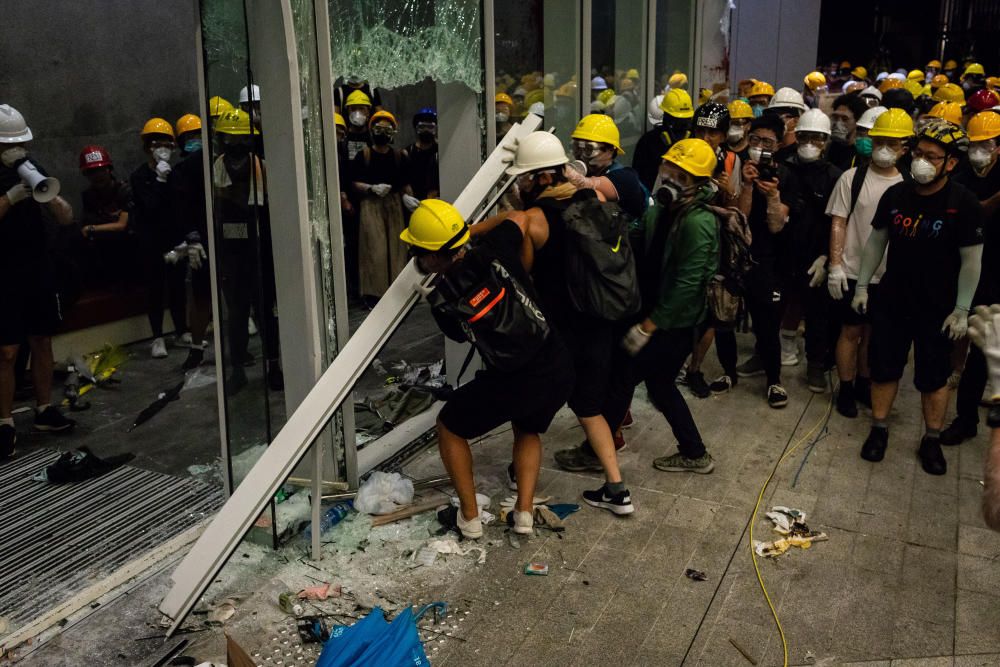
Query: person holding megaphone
(29, 301)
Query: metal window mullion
(586, 54)
(489, 71)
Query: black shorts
(528, 398)
(847, 315)
(28, 311)
(590, 344)
(893, 333)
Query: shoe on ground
(751, 367)
(158, 349)
(512, 477)
(931, 457)
(722, 385)
(697, 385)
(628, 421)
(777, 397)
(521, 523)
(51, 420)
(8, 438)
(680, 463)
(816, 379)
(618, 503)
(958, 432)
(184, 340)
(579, 459)
(846, 405)
(471, 529)
(875, 445)
(194, 359)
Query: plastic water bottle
(330, 518)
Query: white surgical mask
(923, 171)
(980, 157)
(162, 154)
(884, 157)
(735, 134)
(839, 131)
(754, 153)
(809, 152)
(358, 118)
(502, 117)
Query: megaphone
(44, 188)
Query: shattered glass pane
(223, 37)
(400, 42)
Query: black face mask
(238, 150)
(381, 140)
(426, 137)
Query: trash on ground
(428, 553)
(375, 641)
(383, 493)
(537, 569)
(288, 601)
(695, 575)
(788, 521)
(330, 518)
(510, 501)
(563, 510)
(321, 592)
(791, 523)
(79, 465)
(165, 397)
(778, 547)
(312, 630)
(406, 512)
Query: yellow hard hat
(938, 80)
(632, 74)
(740, 109)
(435, 224)
(993, 82)
(974, 68)
(950, 111)
(694, 156)
(915, 75)
(934, 63)
(889, 84)
(218, 106)
(854, 86)
(504, 98)
(859, 72)
(950, 64)
(845, 64)
(677, 103)
(568, 89)
(534, 96)
(704, 95)
(761, 88)
(950, 92)
(678, 80)
(188, 123)
(983, 126)
(382, 115)
(598, 127)
(894, 123)
(157, 126)
(606, 96)
(915, 88)
(339, 120)
(235, 122)
(357, 98)
(814, 80)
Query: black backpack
(727, 287)
(493, 309)
(600, 265)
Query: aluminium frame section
(216, 545)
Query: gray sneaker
(576, 459)
(680, 463)
(751, 367)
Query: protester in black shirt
(104, 224)
(422, 157)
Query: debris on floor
(384, 493)
(537, 569)
(778, 547)
(695, 575)
(79, 465)
(162, 400)
(791, 523)
(321, 592)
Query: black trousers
(763, 299)
(817, 304)
(657, 365)
(165, 282)
(971, 388)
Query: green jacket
(690, 258)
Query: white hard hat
(538, 150)
(520, 91)
(244, 97)
(898, 76)
(867, 119)
(598, 83)
(654, 114)
(813, 120)
(871, 91)
(881, 75)
(13, 129)
(788, 97)
(538, 108)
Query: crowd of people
(862, 212)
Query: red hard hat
(93, 156)
(981, 100)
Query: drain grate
(57, 540)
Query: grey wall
(774, 40)
(93, 71)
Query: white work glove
(381, 189)
(410, 202)
(11, 156)
(957, 324)
(174, 256)
(509, 150)
(18, 193)
(860, 302)
(817, 271)
(163, 170)
(836, 282)
(195, 255)
(984, 330)
(635, 340)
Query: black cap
(713, 116)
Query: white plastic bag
(383, 493)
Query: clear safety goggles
(814, 138)
(426, 127)
(384, 130)
(586, 150)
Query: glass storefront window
(618, 54)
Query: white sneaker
(471, 529)
(159, 348)
(185, 340)
(251, 327)
(789, 350)
(524, 523)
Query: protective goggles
(585, 150)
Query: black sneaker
(196, 355)
(751, 367)
(619, 503)
(863, 391)
(874, 448)
(579, 459)
(511, 478)
(958, 432)
(51, 420)
(722, 384)
(931, 456)
(846, 405)
(696, 383)
(8, 438)
(777, 397)
(816, 379)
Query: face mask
(863, 145)
(502, 117)
(381, 139)
(839, 132)
(754, 153)
(809, 152)
(980, 157)
(358, 118)
(923, 171)
(238, 150)
(162, 154)
(668, 194)
(734, 135)
(884, 156)
(758, 110)
(425, 137)
(191, 145)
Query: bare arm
(61, 211)
(838, 238)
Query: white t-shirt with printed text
(859, 225)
